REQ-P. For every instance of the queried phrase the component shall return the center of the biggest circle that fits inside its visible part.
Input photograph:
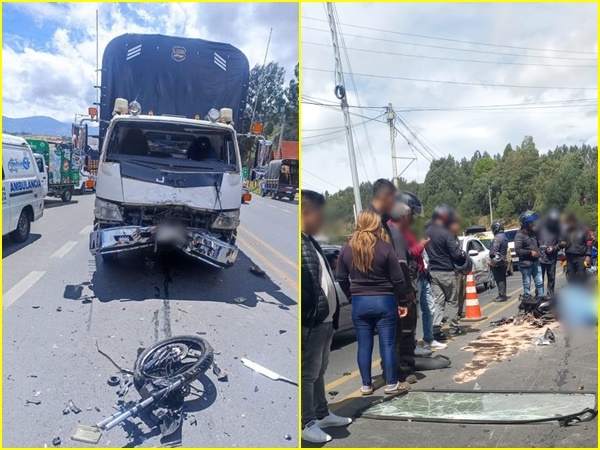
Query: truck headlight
(227, 220)
(107, 211)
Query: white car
(22, 191)
(510, 235)
(478, 253)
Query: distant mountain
(36, 125)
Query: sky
(49, 49)
(524, 41)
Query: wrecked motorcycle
(162, 376)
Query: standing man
(320, 313)
(444, 252)
(383, 201)
(497, 259)
(577, 242)
(461, 279)
(526, 248)
(549, 240)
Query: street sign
(245, 172)
(257, 128)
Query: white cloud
(558, 26)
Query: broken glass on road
(485, 407)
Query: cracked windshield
(150, 225)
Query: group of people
(387, 274)
(539, 244)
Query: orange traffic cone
(473, 311)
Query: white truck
(167, 177)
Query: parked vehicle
(281, 179)
(478, 253)
(345, 320)
(486, 239)
(22, 191)
(63, 167)
(168, 178)
(43, 171)
(510, 234)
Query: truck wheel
(21, 234)
(292, 197)
(66, 195)
(81, 191)
(184, 357)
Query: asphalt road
(59, 301)
(567, 365)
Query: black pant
(550, 270)
(499, 273)
(575, 269)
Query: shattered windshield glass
(485, 407)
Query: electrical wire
(322, 179)
(387, 77)
(457, 40)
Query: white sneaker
(312, 433)
(435, 344)
(331, 420)
(422, 350)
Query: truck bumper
(198, 244)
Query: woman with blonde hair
(370, 275)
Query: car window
(40, 164)
(478, 246)
(470, 246)
(510, 235)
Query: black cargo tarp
(173, 75)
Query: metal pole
(341, 94)
(390, 118)
(262, 75)
(281, 134)
(97, 72)
(490, 198)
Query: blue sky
(387, 33)
(57, 41)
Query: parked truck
(281, 179)
(170, 172)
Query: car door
(6, 219)
(474, 252)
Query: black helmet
(445, 213)
(527, 217)
(553, 217)
(464, 265)
(497, 227)
(410, 199)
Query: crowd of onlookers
(388, 273)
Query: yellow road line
(285, 259)
(265, 262)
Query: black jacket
(525, 243)
(409, 266)
(315, 307)
(500, 246)
(443, 249)
(548, 237)
(579, 242)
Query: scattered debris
(71, 407)
(113, 380)
(220, 373)
(580, 388)
(33, 402)
(346, 374)
(124, 385)
(333, 393)
(282, 331)
(35, 306)
(255, 388)
(59, 308)
(549, 335)
(477, 387)
(85, 433)
(503, 321)
(266, 372)
(287, 437)
(193, 420)
(256, 270)
(56, 441)
(541, 341)
(112, 360)
(240, 300)
(37, 393)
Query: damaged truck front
(166, 177)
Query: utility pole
(281, 133)
(390, 119)
(490, 199)
(340, 93)
(258, 88)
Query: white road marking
(64, 249)
(86, 230)
(274, 207)
(14, 293)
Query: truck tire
(190, 371)
(21, 234)
(292, 197)
(66, 195)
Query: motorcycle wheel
(185, 357)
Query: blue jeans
(370, 313)
(534, 271)
(427, 307)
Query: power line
(453, 59)
(456, 82)
(457, 40)
(343, 128)
(456, 49)
(322, 179)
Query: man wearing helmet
(526, 248)
(498, 259)
(444, 255)
(549, 239)
(577, 240)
